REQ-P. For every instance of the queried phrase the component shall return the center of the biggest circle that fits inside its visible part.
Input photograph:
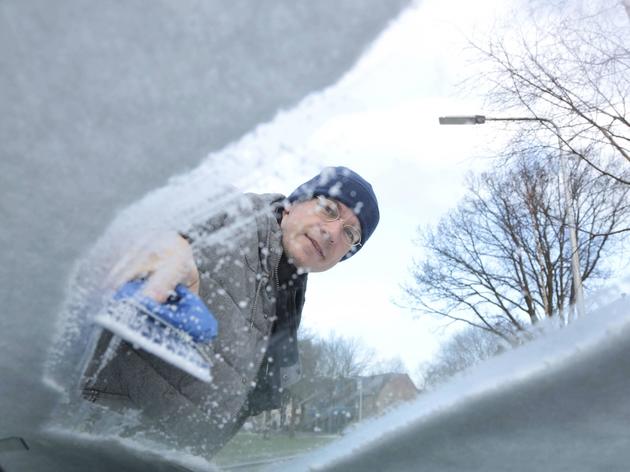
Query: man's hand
(164, 261)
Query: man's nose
(333, 230)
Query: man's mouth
(316, 246)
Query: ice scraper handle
(184, 310)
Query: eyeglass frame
(321, 210)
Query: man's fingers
(161, 284)
(164, 262)
(130, 266)
(116, 280)
(136, 263)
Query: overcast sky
(381, 120)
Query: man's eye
(330, 211)
(328, 208)
(352, 235)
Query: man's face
(313, 243)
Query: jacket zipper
(261, 283)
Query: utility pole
(360, 389)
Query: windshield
(476, 158)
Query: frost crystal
(357, 208)
(335, 190)
(326, 175)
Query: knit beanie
(348, 187)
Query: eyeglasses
(329, 210)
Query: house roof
(373, 384)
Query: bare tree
(387, 366)
(329, 368)
(463, 350)
(334, 356)
(500, 261)
(573, 71)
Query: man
(249, 265)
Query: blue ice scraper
(177, 331)
(184, 310)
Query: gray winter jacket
(237, 253)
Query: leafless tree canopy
(464, 349)
(334, 356)
(500, 261)
(574, 71)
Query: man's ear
(285, 212)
